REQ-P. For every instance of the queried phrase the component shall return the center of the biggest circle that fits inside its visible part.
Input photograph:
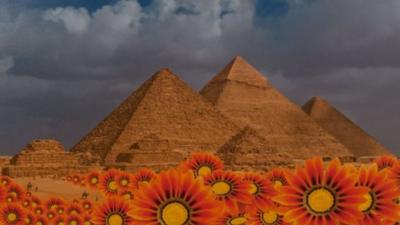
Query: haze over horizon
(66, 64)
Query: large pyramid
(243, 94)
(352, 136)
(160, 119)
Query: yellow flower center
(12, 217)
(368, 203)
(127, 196)
(94, 180)
(14, 194)
(60, 211)
(112, 185)
(53, 206)
(115, 219)
(320, 200)
(39, 223)
(175, 213)
(86, 206)
(87, 223)
(50, 215)
(26, 203)
(124, 182)
(269, 217)
(278, 184)
(221, 188)
(60, 223)
(253, 189)
(241, 220)
(73, 222)
(34, 204)
(204, 170)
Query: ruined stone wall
(44, 158)
(45, 171)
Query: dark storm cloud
(64, 68)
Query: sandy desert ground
(47, 187)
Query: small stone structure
(42, 158)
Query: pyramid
(247, 150)
(244, 95)
(161, 117)
(352, 136)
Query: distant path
(57, 188)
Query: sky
(65, 64)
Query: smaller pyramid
(346, 131)
(247, 150)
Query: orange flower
(76, 179)
(26, 202)
(108, 182)
(41, 220)
(87, 205)
(68, 178)
(261, 189)
(59, 220)
(114, 211)
(60, 210)
(74, 209)
(35, 201)
(266, 215)
(50, 215)
(124, 180)
(12, 214)
(54, 203)
(394, 173)
(3, 194)
(93, 179)
(317, 196)
(38, 210)
(143, 175)
(229, 188)
(73, 220)
(11, 198)
(5, 181)
(379, 201)
(127, 195)
(203, 163)
(386, 161)
(233, 216)
(16, 191)
(277, 177)
(174, 198)
(87, 219)
(29, 218)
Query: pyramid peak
(318, 99)
(315, 102)
(164, 72)
(239, 70)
